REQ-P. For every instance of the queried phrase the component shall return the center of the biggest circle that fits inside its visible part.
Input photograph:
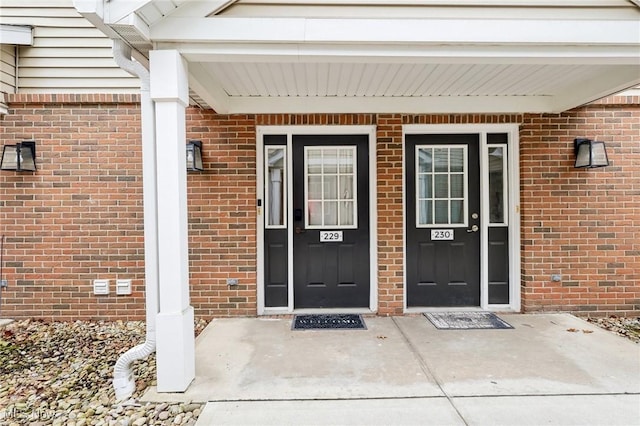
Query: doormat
(328, 322)
(466, 320)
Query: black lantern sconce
(20, 157)
(194, 156)
(590, 153)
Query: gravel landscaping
(627, 327)
(60, 373)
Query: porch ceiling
(502, 63)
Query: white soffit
(508, 62)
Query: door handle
(474, 228)
(300, 230)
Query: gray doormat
(466, 320)
(328, 322)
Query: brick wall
(80, 216)
(583, 224)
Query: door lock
(300, 230)
(474, 228)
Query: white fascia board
(116, 10)
(16, 34)
(398, 31)
(615, 80)
(416, 105)
(353, 53)
(199, 9)
(93, 11)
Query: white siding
(7, 69)
(68, 54)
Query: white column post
(175, 348)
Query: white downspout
(123, 377)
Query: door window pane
(424, 186)
(425, 160)
(457, 186)
(457, 210)
(346, 161)
(441, 160)
(441, 185)
(315, 213)
(330, 187)
(442, 211)
(330, 213)
(330, 161)
(346, 212)
(315, 187)
(330, 190)
(275, 187)
(314, 161)
(425, 211)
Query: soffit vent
(133, 37)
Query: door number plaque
(442, 234)
(330, 236)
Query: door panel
(331, 193)
(443, 219)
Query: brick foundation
(80, 216)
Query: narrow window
(275, 197)
(497, 184)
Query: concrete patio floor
(549, 369)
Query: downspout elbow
(124, 383)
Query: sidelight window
(497, 184)
(275, 195)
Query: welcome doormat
(466, 320)
(328, 322)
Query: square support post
(175, 341)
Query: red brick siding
(80, 216)
(222, 215)
(583, 224)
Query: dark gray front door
(443, 220)
(331, 221)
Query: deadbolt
(474, 216)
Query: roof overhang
(16, 34)
(267, 64)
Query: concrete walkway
(549, 369)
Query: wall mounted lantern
(20, 157)
(194, 156)
(590, 153)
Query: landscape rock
(60, 373)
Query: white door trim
(513, 205)
(290, 131)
